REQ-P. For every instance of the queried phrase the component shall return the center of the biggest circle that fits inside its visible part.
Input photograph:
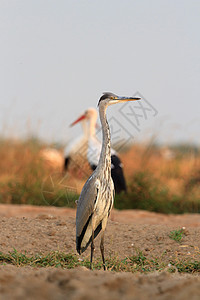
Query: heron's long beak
(78, 120)
(124, 99)
(118, 99)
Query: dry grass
(160, 182)
(154, 177)
(24, 174)
(174, 172)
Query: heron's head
(110, 98)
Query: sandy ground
(45, 229)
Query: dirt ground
(45, 229)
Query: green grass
(136, 263)
(177, 235)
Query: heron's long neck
(105, 158)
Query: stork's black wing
(117, 174)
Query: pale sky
(57, 57)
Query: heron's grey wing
(86, 204)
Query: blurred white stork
(75, 150)
(94, 150)
(77, 145)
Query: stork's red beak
(78, 120)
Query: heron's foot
(92, 252)
(102, 253)
(104, 266)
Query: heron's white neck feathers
(105, 156)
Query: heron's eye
(111, 97)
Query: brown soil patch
(45, 229)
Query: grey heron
(97, 196)
(94, 150)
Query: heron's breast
(105, 201)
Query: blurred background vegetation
(160, 179)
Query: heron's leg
(102, 250)
(104, 222)
(92, 249)
(92, 242)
